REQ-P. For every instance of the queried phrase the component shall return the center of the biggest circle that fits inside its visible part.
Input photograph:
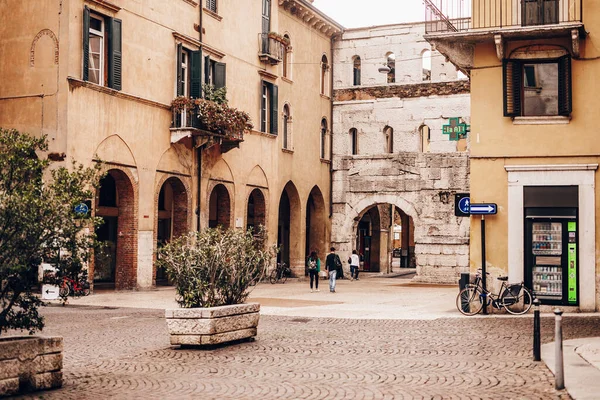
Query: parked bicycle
(515, 298)
(280, 273)
(70, 286)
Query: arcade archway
(289, 221)
(219, 207)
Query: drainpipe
(331, 141)
(199, 149)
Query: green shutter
(195, 74)
(220, 77)
(565, 89)
(513, 85)
(207, 70)
(179, 70)
(274, 98)
(86, 43)
(115, 54)
(263, 105)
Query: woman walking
(314, 267)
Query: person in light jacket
(354, 264)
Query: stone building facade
(391, 161)
(98, 77)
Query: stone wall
(420, 184)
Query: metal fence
(463, 15)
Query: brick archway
(219, 207)
(116, 204)
(256, 212)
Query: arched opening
(324, 73)
(287, 54)
(353, 141)
(426, 65)
(315, 225)
(391, 63)
(289, 221)
(380, 241)
(115, 262)
(286, 127)
(425, 134)
(388, 133)
(256, 212)
(172, 217)
(323, 137)
(356, 71)
(219, 208)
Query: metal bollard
(559, 374)
(537, 345)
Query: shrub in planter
(213, 271)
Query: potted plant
(213, 271)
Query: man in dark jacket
(332, 264)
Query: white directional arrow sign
(483, 209)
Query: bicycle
(68, 286)
(280, 273)
(515, 298)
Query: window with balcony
(540, 12)
(268, 108)
(537, 87)
(356, 71)
(189, 82)
(102, 49)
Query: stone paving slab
(124, 353)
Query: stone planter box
(29, 363)
(209, 326)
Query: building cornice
(187, 39)
(312, 16)
(551, 167)
(107, 5)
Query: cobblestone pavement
(125, 353)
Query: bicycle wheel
(516, 299)
(284, 276)
(468, 300)
(273, 277)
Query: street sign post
(483, 209)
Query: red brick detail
(260, 210)
(403, 91)
(221, 203)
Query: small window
(324, 74)
(323, 137)
(353, 141)
(215, 73)
(211, 5)
(425, 134)
(426, 65)
(537, 87)
(102, 53)
(356, 71)
(391, 63)
(286, 127)
(268, 108)
(388, 132)
(287, 56)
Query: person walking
(314, 267)
(332, 264)
(354, 263)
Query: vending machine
(551, 262)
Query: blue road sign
(483, 209)
(464, 205)
(81, 209)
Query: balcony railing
(463, 15)
(271, 48)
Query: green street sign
(455, 129)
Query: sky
(361, 13)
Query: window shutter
(115, 54)
(263, 106)
(207, 70)
(195, 74)
(86, 43)
(179, 70)
(512, 79)
(274, 114)
(220, 77)
(565, 89)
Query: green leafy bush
(215, 267)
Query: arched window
(324, 74)
(426, 64)
(287, 56)
(356, 71)
(425, 134)
(287, 139)
(323, 137)
(391, 63)
(388, 132)
(353, 141)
